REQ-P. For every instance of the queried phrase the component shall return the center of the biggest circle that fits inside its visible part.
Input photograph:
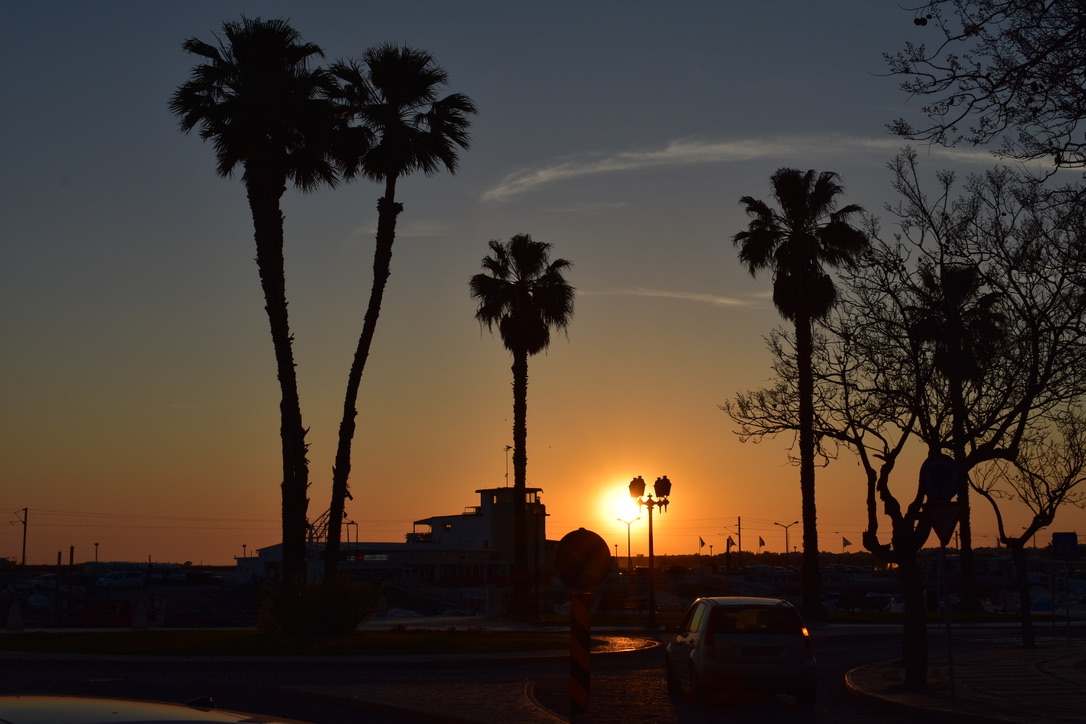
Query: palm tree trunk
(387, 212)
(970, 600)
(810, 576)
(268, 232)
(522, 573)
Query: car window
(698, 618)
(756, 620)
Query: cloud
(691, 152)
(712, 299)
(415, 228)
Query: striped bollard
(580, 665)
(581, 562)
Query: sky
(139, 397)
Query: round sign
(940, 478)
(581, 560)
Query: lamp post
(662, 489)
(95, 552)
(787, 550)
(629, 560)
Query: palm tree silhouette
(796, 243)
(256, 99)
(394, 124)
(964, 326)
(525, 295)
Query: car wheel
(701, 694)
(805, 697)
(670, 682)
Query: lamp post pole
(662, 489)
(629, 560)
(787, 550)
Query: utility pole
(23, 519)
(739, 532)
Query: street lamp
(95, 552)
(629, 560)
(662, 488)
(786, 548)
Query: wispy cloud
(713, 299)
(690, 152)
(420, 228)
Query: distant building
(453, 559)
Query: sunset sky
(140, 403)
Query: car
(93, 710)
(167, 573)
(121, 579)
(739, 644)
(44, 582)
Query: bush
(317, 610)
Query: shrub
(317, 610)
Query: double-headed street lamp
(787, 550)
(662, 489)
(629, 560)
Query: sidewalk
(1004, 684)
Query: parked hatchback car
(739, 644)
(121, 579)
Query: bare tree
(1048, 474)
(879, 384)
(1003, 72)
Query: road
(629, 686)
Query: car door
(685, 640)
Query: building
(456, 561)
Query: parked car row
(120, 579)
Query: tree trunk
(810, 576)
(268, 232)
(387, 212)
(914, 649)
(522, 570)
(1021, 576)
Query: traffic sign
(944, 518)
(1065, 546)
(581, 560)
(940, 478)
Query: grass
(183, 642)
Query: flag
(701, 542)
(730, 544)
(845, 542)
(761, 543)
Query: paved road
(626, 688)
(632, 691)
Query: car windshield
(755, 620)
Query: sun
(615, 503)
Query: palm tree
(796, 242)
(256, 99)
(400, 126)
(524, 294)
(964, 326)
